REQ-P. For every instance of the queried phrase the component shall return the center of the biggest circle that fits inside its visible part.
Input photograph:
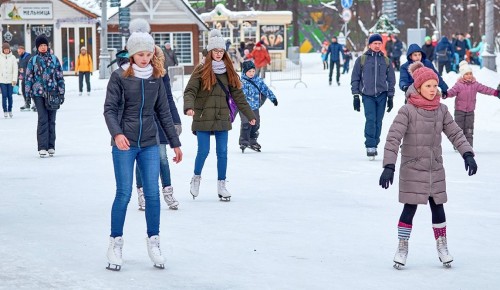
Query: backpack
(363, 60)
(442, 55)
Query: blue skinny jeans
(164, 169)
(204, 148)
(148, 161)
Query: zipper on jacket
(432, 152)
(140, 114)
(376, 70)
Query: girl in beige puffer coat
(422, 178)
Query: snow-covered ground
(306, 213)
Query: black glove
(90, 73)
(356, 103)
(405, 88)
(387, 176)
(62, 99)
(390, 104)
(470, 163)
(275, 102)
(444, 94)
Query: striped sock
(439, 230)
(404, 231)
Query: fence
(176, 74)
(286, 70)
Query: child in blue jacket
(256, 92)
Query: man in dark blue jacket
(334, 51)
(443, 54)
(373, 79)
(24, 58)
(415, 53)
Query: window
(181, 42)
(115, 40)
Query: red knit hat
(421, 74)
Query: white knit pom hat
(215, 40)
(464, 68)
(140, 39)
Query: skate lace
(117, 248)
(442, 246)
(155, 248)
(403, 247)
(196, 180)
(170, 198)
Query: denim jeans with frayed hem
(164, 169)
(374, 113)
(148, 160)
(204, 149)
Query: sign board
(273, 36)
(346, 15)
(21, 11)
(346, 4)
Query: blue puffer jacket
(45, 75)
(252, 93)
(405, 79)
(334, 51)
(443, 44)
(376, 76)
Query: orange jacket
(84, 63)
(261, 57)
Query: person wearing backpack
(373, 80)
(44, 66)
(256, 92)
(206, 101)
(443, 55)
(84, 70)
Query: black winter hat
(248, 65)
(41, 39)
(374, 37)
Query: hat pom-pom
(414, 66)
(139, 25)
(215, 33)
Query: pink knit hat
(421, 74)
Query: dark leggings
(409, 211)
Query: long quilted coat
(421, 172)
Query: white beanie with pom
(464, 68)
(215, 40)
(140, 39)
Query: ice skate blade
(398, 266)
(173, 207)
(141, 208)
(225, 199)
(371, 158)
(114, 267)
(446, 264)
(159, 266)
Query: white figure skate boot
(401, 254)
(195, 185)
(224, 195)
(442, 249)
(140, 198)
(154, 252)
(168, 195)
(114, 254)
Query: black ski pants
(46, 128)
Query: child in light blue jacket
(256, 93)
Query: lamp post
(489, 57)
(104, 57)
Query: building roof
(92, 9)
(221, 10)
